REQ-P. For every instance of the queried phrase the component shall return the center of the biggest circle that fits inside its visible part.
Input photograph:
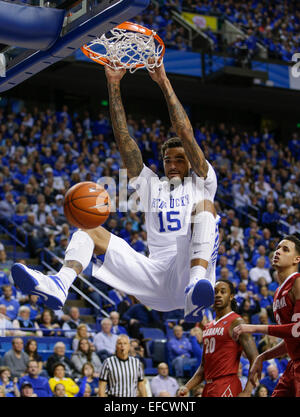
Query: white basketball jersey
(168, 210)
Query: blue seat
(149, 368)
(85, 311)
(152, 333)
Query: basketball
(87, 205)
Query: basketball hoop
(129, 46)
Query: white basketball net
(125, 49)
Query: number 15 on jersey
(169, 220)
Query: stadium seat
(152, 333)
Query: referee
(122, 375)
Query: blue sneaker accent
(202, 296)
(27, 284)
(58, 282)
(195, 316)
(22, 279)
(203, 293)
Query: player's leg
(54, 288)
(199, 293)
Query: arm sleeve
(290, 330)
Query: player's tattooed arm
(129, 150)
(184, 129)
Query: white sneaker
(49, 287)
(198, 296)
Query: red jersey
(221, 353)
(283, 309)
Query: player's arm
(248, 344)
(275, 352)
(181, 122)
(129, 150)
(196, 379)
(289, 330)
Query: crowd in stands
(44, 152)
(272, 24)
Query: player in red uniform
(221, 354)
(286, 308)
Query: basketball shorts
(289, 383)
(225, 386)
(158, 283)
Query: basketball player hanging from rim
(182, 224)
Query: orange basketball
(87, 205)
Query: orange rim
(94, 56)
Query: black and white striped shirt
(122, 376)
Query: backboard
(82, 21)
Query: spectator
(139, 315)
(35, 308)
(71, 325)
(272, 378)
(59, 377)
(163, 382)
(16, 359)
(27, 390)
(116, 327)
(23, 322)
(39, 383)
(59, 356)
(250, 306)
(48, 323)
(5, 263)
(81, 332)
(88, 372)
(7, 207)
(105, 341)
(84, 354)
(196, 339)
(59, 391)
(6, 327)
(261, 391)
(12, 305)
(31, 348)
(137, 350)
(129, 380)
(10, 387)
(270, 219)
(122, 301)
(180, 350)
(260, 271)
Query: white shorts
(156, 283)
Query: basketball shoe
(198, 296)
(48, 287)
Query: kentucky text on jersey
(158, 203)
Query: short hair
(123, 336)
(234, 304)
(57, 364)
(171, 143)
(106, 320)
(293, 238)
